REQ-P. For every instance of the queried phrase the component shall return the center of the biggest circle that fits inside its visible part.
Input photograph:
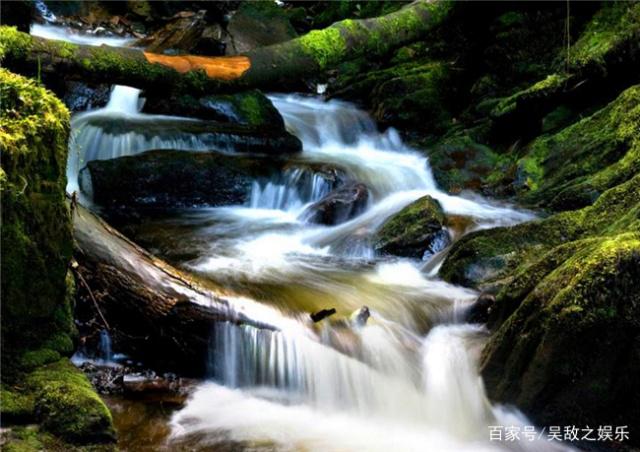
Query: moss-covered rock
(461, 163)
(415, 230)
(570, 352)
(36, 228)
(38, 384)
(610, 34)
(412, 94)
(571, 168)
(67, 406)
(487, 257)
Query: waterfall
(293, 190)
(106, 352)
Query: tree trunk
(155, 311)
(264, 67)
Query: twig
(74, 266)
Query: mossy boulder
(412, 94)
(566, 331)
(66, 404)
(250, 108)
(570, 351)
(38, 383)
(459, 162)
(416, 230)
(36, 227)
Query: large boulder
(340, 205)
(415, 231)
(37, 289)
(166, 178)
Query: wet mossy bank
(39, 384)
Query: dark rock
(361, 316)
(479, 311)
(180, 35)
(165, 178)
(257, 24)
(322, 314)
(80, 96)
(415, 231)
(338, 206)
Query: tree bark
(159, 314)
(263, 67)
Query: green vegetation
(38, 383)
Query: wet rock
(165, 178)
(257, 24)
(361, 316)
(480, 310)
(338, 206)
(80, 96)
(180, 35)
(415, 231)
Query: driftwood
(159, 314)
(263, 67)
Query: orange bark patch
(223, 68)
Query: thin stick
(95, 302)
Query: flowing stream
(405, 379)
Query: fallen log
(158, 313)
(263, 67)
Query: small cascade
(105, 348)
(55, 32)
(44, 12)
(293, 190)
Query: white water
(58, 33)
(407, 380)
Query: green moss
(326, 47)
(13, 43)
(67, 406)
(616, 24)
(571, 168)
(549, 86)
(36, 230)
(411, 231)
(569, 318)
(15, 406)
(36, 358)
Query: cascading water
(405, 380)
